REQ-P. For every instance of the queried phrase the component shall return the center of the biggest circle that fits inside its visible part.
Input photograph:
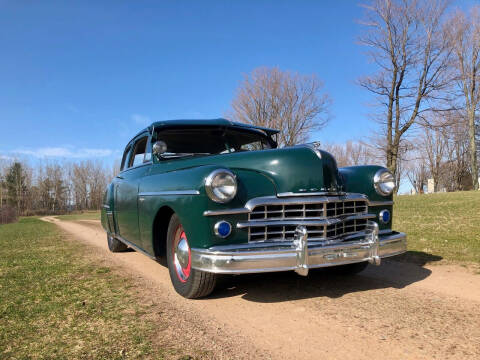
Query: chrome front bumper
(299, 255)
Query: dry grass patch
(57, 303)
(81, 215)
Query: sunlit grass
(442, 224)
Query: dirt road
(395, 311)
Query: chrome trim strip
(317, 222)
(291, 200)
(283, 256)
(380, 203)
(137, 166)
(225, 212)
(273, 200)
(173, 192)
(321, 193)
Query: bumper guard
(299, 255)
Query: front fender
(359, 179)
(184, 192)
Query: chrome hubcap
(182, 252)
(182, 259)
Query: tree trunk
(473, 149)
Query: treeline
(438, 151)
(426, 86)
(52, 187)
(442, 153)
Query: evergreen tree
(16, 186)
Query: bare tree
(290, 102)
(457, 172)
(406, 42)
(351, 153)
(80, 177)
(465, 42)
(51, 188)
(96, 185)
(417, 173)
(3, 185)
(434, 146)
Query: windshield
(210, 141)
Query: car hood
(297, 169)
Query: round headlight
(384, 182)
(221, 185)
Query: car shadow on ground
(288, 286)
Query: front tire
(188, 282)
(115, 245)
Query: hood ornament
(315, 146)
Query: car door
(127, 182)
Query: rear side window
(138, 152)
(125, 158)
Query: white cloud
(63, 152)
(5, 157)
(141, 119)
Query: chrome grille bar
(325, 217)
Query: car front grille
(316, 232)
(324, 218)
(308, 210)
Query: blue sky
(78, 79)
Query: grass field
(56, 303)
(445, 225)
(81, 215)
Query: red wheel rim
(182, 258)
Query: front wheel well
(160, 229)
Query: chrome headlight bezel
(384, 182)
(211, 188)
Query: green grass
(81, 215)
(445, 225)
(57, 303)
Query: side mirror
(158, 148)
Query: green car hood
(294, 169)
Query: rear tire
(350, 269)
(115, 245)
(188, 282)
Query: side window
(148, 151)
(139, 152)
(124, 158)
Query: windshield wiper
(179, 155)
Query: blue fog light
(223, 229)
(384, 216)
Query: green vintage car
(218, 197)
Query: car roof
(206, 122)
